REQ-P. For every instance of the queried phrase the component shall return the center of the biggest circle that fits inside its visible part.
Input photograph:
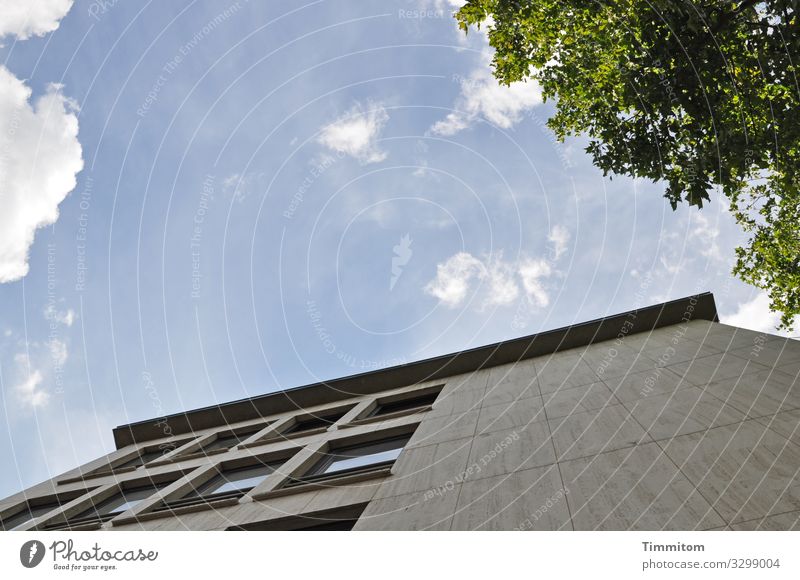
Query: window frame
(408, 397)
(196, 493)
(308, 477)
(27, 507)
(293, 431)
(85, 517)
(59, 500)
(311, 521)
(372, 414)
(275, 458)
(240, 434)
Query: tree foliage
(700, 95)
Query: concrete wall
(691, 426)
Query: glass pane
(234, 480)
(313, 423)
(231, 440)
(27, 515)
(336, 526)
(223, 443)
(359, 461)
(133, 497)
(120, 502)
(406, 404)
(360, 456)
(145, 457)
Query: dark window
(239, 480)
(314, 423)
(356, 458)
(145, 457)
(338, 526)
(230, 440)
(118, 503)
(343, 519)
(27, 514)
(405, 404)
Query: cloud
(356, 133)
(240, 186)
(705, 235)
(444, 4)
(58, 352)
(503, 288)
(26, 18)
(533, 273)
(28, 389)
(503, 281)
(39, 158)
(65, 317)
(453, 278)
(755, 315)
(559, 238)
(483, 97)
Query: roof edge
(696, 307)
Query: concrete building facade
(656, 419)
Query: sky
(205, 201)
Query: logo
(402, 254)
(31, 553)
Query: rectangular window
(314, 423)
(230, 440)
(145, 457)
(233, 481)
(118, 503)
(27, 514)
(407, 404)
(339, 519)
(361, 458)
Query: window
(334, 526)
(231, 439)
(116, 504)
(233, 481)
(339, 519)
(407, 404)
(314, 423)
(355, 459)
(27, 514)
(144, 457)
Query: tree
(700, 95)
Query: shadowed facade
(657, 418)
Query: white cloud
(502, 280)
(483, 97)
(356, 133)
(533, 273)
(58, 352)
(755, 315)
(28, 389)
(65, 317)
(445, 4)
(39, 158)
(26, 18)
(240, 186)
(453, 278)
(705, 236)
(503, 288)
(559, 238)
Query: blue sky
(265, 194)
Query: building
(658, 418)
